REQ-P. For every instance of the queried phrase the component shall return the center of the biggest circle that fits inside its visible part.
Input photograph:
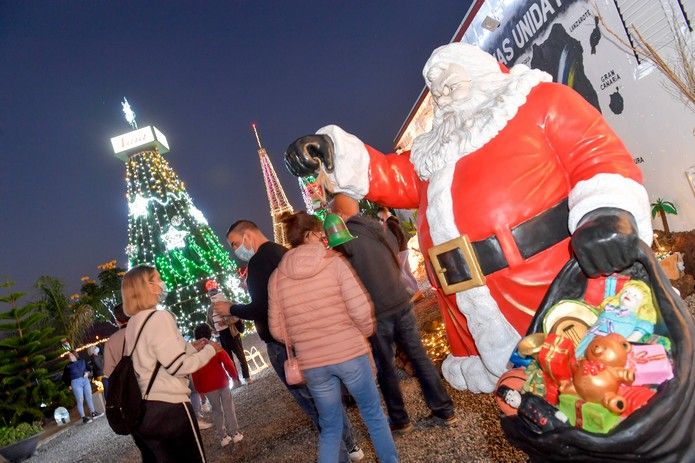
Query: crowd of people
(336, 302)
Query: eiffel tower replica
(276, 195)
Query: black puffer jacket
(373, 255)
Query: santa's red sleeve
(600, 169)
(362, 171)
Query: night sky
(201, 72)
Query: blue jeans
(81, 389)
(196, 399)
(356, 375)
(277, 355)
(401, 328)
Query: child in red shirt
(212, 380)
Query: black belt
(461, 264)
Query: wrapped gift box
(556, 358)
(599, 288)
(651, 364)
(586, 415)
(635, 397)
(535, 383)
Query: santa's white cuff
(351, 163)
(611, 190)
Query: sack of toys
(605, 372)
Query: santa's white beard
(465, 125)
(453, 127)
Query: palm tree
(662, 208)
(73, 319)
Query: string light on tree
(174, 238)
(138, 206)
(166, 230)
(197, 215)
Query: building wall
(558, 36)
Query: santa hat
(473, 59)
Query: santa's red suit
(544, 148)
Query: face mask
(244, 253)
(165, 291)
(96, 351)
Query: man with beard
(513, 165)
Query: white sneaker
(202, 424)
(237, 437)
(356, 454)
(226, 441)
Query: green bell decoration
(336, 231)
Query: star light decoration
(174, 238)
(138, 206)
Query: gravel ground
(276, 430)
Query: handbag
(293, 374)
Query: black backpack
(124, 404)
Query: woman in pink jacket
(328, 315)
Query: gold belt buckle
(461, 245)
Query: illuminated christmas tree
(166, 230)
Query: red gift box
(599, 288)
(651, 364)
(635, 397)
(556, 358)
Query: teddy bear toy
(596, 377)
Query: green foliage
(11, 434)
(662, 208)
(71, 319)
(103, 294)
(369, 208)
(29, 356)
(409, 226)
(660, 205)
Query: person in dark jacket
(96, 362)
(393, 225)
(373, 256)
(250, 244)
(75, 377)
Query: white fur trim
(494, 337)
(468, 373)
(351, 163)
(611, 190)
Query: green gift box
(587, 415)
(535, 383)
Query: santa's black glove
(303, 154)
(605, 241)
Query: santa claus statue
(515, 175)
